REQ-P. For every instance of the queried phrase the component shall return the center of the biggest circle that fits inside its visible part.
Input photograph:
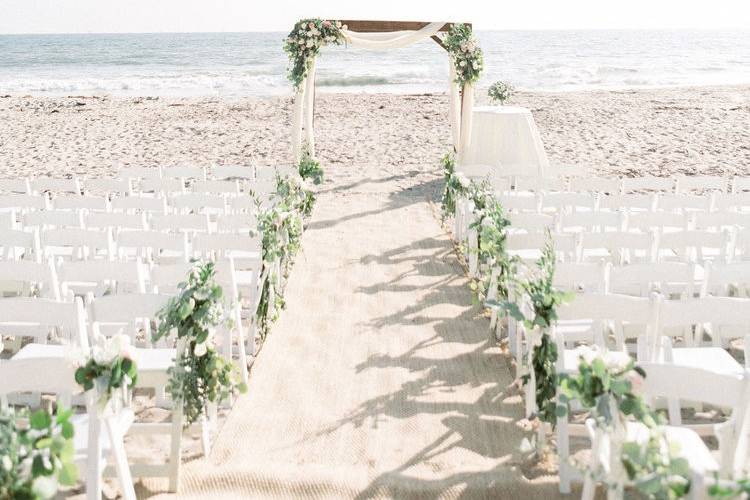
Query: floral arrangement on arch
(201, 375)
(304, 42)
(465, 53)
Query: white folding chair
(8, 220)
(101, 277)
(16, 244)
(153, 246)
(116, 221)
(536, 183)
(596, 185)
(718, 221)
(594, 222)
(225, 172)
(631, 202)
(673, 279)
(567, 202)
(139, 204)
(85, 202)
(200, 203)
(97, 436)
(28, 278)
(618, 247)
(180, 223)
(701, 183)
(184, 173)
(695, 246)
(528, 247)
(164, 186)
(242, 204)
(45, 219)
(77, 244)
(224, 187)
(15, 186)
(137, 173)
(237, 223)
(242, 248)
(659, 221)
(737, 202)
(108, 187)
(727, 279)
(42, 184)
(648, 183)
(684, 203)
(531, 222)
(21, 203)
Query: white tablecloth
(506, 137)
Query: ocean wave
(354, 81)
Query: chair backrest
(190, 223)
(227, 245)
(591, 222)
(16, 244)
(660, 221)
(532, 222)
(642, 279)
(536, 183)
(101, 276)
(724, 279)
(15, 186)
(183, 172)
(217, 186)
(152, 245)
(521, 201)
(77, 243)
(136, 204)
(528, 246)
(568, 201)
(632, 202)
(41, 184)
(115, 220)
(139, 173)
(222, 172)
(120, 187)
(237, 223)
(684, 203)
(53, 375)
(667, 380)
(52, 218)
(581, 277)
(87, 202)
(126, 313)
(242, 204)
(648, 183)
(688, 183)
(694, 245)
(596, 185)
(716, 221)
(19, 277)
(8, 220)
(24, 202)
(166, 186)
(739, 201)
(199, 202)
(620, 246)
(35, 317)
(164, 278)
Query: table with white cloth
(506, 138)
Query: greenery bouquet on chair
(201, 376)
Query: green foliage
(500, 92)
(200, 375)
(653, 466)
(544, 300)
(304, 42)
(729, 489)
(456, 185)
(309, 168)
(110, 367)
(465, 53)
(37, 457)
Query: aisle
(379, 380)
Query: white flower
(6, 463)
(309, 43)
(463, 181)
(345, 27)
(475, 65)
(462, 63)
(200, 350)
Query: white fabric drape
(467, 104)
(392, 40)
(299, 102)
(454, 106)
(309, 108)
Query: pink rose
(311, 25)
(327, 24)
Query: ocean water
(237, 64)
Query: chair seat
(32, 351)
(691, 446)
(710, 358)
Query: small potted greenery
(499, 92)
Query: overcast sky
(124, 16)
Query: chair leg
(175, 452)
(94, 467)
(121, 460)
(563, 452)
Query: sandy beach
(661, 131)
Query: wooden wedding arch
(461, 97)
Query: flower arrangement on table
(465, 53)
(109, 368)
(201, 376)
(36, 454)
(607, 386)
(500, 92)
(304, 42)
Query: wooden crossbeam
(389, 26)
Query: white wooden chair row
(218, 179)
(153, 246)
